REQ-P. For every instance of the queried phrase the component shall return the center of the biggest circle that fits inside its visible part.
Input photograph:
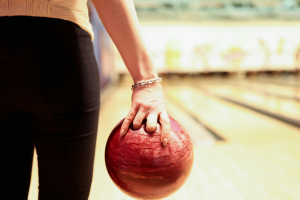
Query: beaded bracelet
(141, 83)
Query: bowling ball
(141, 167)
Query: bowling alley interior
(230, 74)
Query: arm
(120, 20)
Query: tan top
(71, 10)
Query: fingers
(127, 121)
(138, 120)
(151, 122)
(143, 110)
(165, 124)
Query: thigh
(16, 129)
(65, 148)
(16, 152)
(66, 129)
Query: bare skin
(120, 20)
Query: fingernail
(165, 141)
(122, 132)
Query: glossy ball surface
(142, 167)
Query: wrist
(144, 70)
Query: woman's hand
(148, 103)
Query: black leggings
(49, 98)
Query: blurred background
(231, 77)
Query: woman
(49, 92)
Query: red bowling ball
(142, 167)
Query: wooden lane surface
(241, 125)
(281, 106)
(286, 91)
(259, 159)
(280, 80)
(198, 133)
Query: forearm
(120, 20)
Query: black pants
(49, 98)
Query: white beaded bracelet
(141, 83)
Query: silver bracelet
(141, 83)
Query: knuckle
(146, 105)
(143, 109)
(129, 117)
(137, 103)
(124, 127)
(152, 107)
(161, 103)
(158, 104)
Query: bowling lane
(283, 79)
(274, 104)
(220, 115)
(268, 88)
(258, 153)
